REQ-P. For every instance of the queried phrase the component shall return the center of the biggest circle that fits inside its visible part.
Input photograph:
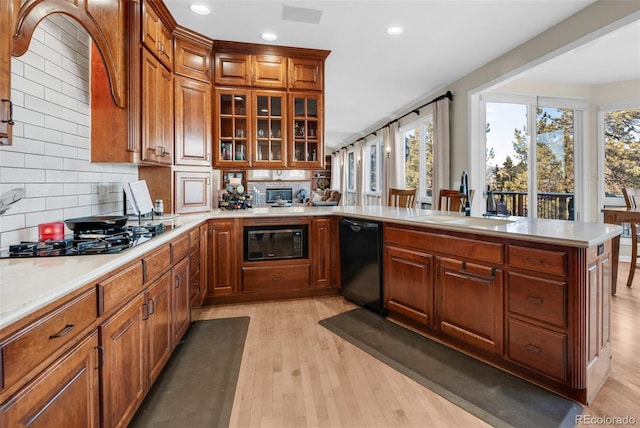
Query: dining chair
(632, 199)
(452, 200)
(404, 198)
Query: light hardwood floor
(295, 373)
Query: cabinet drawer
(537, 298)
(156, 263)
(45, 338)
(483, 251)
(115, 290)
(539, 349)
(284, 277)
(194, 237)
(180, 248)
(195, 260)
(554, 262)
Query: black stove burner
(85, 242)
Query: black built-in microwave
(275, 242)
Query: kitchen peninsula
(529, 296)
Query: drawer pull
(475, 275)
(533, 299)
(100, 358)
(153, 307)
(67, 328)
(533, 261)
(532, 348)
(145, 306)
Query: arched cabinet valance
(94, 16)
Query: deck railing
(550, 205)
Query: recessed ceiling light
(394, 31)
(269, 37)
(200, 9)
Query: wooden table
(617, 216)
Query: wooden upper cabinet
(269, 71)
(232, 68)
(305, 74)
(192, 60)
(157, 114)
(192, 122)
(156, 36)
(7, 10)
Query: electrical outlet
(103, 192)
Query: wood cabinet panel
(270, 278)
(192, 122)
(65, 394)
(192, 60)
(269, 71)
(180, 248)
(408, 284)
(8, 11)
(539, 260)
(538, 348)
(305, 130)
(469, 303)
(156, 36)
(482, 251)
(157, 111)
(320, 247)
(27, 350)
(232, 69)
(158, 325)
(113, 291)
(124, 373)
(193, 191)
(222, 257)
(306, 74)
(156, 263)
(233, 128)
(536, 298)
(181, 315)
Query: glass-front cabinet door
(306, 130)
(234, 128)
(269, 130)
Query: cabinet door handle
(533, 299)
(153, 307)
(10, 109)
(100, 357)
(177, 281)
(146, 311)
(532, 348)
(464, 271)
(67, 328)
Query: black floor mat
(497, 397)
(196, 387)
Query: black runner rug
(197, 386)
(494, 396)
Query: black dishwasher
(361, 263)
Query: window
(620, 150)
(418, 156)
(373, 167)
(519, 129)
(351, 171)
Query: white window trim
(367, 167)
(421, 123)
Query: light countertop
(29, 284)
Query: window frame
(367, 168)
(426, 116)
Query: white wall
(51, 151)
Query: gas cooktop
(87, 242)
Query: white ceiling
(370, 77)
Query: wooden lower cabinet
(137, 343)
(408, 275)
(469, 303)
(66, 394)
(222, 257)
(321, 251)
(180, 313)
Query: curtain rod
(416, 110)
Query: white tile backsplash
(51, 151)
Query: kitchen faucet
(464, 190)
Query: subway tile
(62, 177)
(43, 162)
(12, 159)
(35, 190)
(95, 177)
(21, 175)
(76, 117)
(28, 205)
(26, 86)
(59, 98)
(61, 150)
(12, 222)
(76, 141)
(42, 134)
(36, 218)
(59, 202)
(42, 106)
(76, 165)
(28, 116)
(43, 78)
(17, 67)
(79, 188)
(27, 145)
(59, 73)
(90, 199)
(59, 124)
